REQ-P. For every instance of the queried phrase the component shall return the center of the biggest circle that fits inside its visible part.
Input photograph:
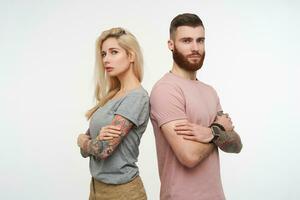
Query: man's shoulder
(207, 86)
(165, 84)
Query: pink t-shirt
(174, 98)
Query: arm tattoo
(125, 126)
(103, 149)
(83, 151)
(229, 141)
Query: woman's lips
(109, 69)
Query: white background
(46, 69)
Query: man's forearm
(229, 141)
(203, 152)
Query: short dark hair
(185, 19)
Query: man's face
(188, 47)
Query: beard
(183, 62)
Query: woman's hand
(109, 132)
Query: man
(188, 121)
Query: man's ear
(171, 44)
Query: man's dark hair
(185, 19)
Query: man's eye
(186, 41)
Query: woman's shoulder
(138, 92)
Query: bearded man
(188, 121)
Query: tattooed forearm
(83, 151)
(103, 149)
(92, 147)
(125, 126)
(229, 142)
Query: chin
(112, 74)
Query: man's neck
(183, 73)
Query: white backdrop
(46, 68)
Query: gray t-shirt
(120, 167)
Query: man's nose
(195, 46)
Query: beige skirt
(133, 190)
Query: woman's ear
(131, 56)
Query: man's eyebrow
(186, 38)
(190, 38)
(200, 38)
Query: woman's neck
(128, 81)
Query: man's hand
(225, 121)
(109, 132)
(194, 132)
(82, 138)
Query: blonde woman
(118, 120)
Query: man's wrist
(216, 132)
(220, 126)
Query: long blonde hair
(105, 86)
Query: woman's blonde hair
(105, 86)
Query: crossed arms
(107, 141)
(192, 143)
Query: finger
(183, 128)
(107, 138)
(113, 131)
(192, 138)
(104, 136)
(113, 127)
(184, 133)
(112, 135)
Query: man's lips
(194, 56)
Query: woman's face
(115, 59)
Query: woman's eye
(103, 55)
(114, 52)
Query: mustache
(194, 54)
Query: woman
(118, 120)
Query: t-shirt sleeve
(219, 107)
(135, 108)
(167, 104)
